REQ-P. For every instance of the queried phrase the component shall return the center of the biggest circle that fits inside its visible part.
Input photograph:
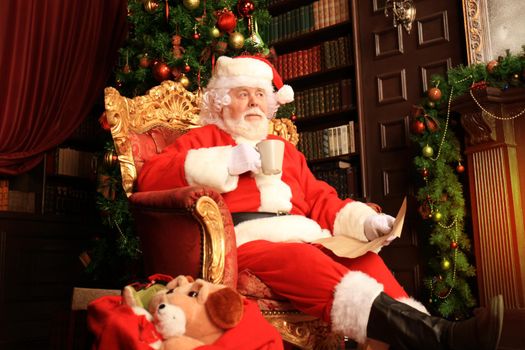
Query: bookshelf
(315, 55)
(48, 217)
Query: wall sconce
(404, 12)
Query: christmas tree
(176, 40)
(179, 40)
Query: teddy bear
(189, 314)
(181, 314)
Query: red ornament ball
(424, 172)
(293, 117)
(226, 21)
(187, 68)
(418, 127)
(196, 36)
(245, 8)
(491, 66)
(161, 71)
(460, 168)
(434, 94)
(454, 245)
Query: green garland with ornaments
(439, 167)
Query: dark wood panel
(394, 70)
(38, 270)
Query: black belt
(252, 215)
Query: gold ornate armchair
(189, 230)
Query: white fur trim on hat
(353, 299)
(349, 220)
(208, 167)
(285, 95)
(251, 72)
(230, 73)
(285, 228)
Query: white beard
(252, 130)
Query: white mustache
(254, 111)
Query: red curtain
(55, 59)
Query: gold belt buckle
(282, 212)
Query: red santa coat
(201, 156)
(335, 289)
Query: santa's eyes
(169, 291)
(193, 294)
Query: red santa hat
(251, 71)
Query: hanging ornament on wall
(151, 6)
(236, 40)
(428, 151)
(417, 127)
(226, 21)
(434, 94)
(491, 66)
(191, 4)
(445, 264)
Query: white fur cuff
(285, 228)
(349, 220)
(353, 299)
(208, 167)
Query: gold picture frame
(491, 27)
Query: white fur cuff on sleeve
(349, 220)
(209, 167)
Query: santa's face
(246, 115)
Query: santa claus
(277, 215)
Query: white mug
(272, 152)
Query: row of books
(71, 162)
(307, 18)
(329, 98)
(329, 142)
(18, 201)
(328, 55)
(68, 200)
(341, 175)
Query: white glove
(244, 158)
(378, 225)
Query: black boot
(404, 327)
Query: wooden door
(394, 70)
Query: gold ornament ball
(236, 40)
(437, 216)
(215, 32)
(184, 81)
(151, 6)
(191, 4)
(445, 264)
(428, 151)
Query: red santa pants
(307, 275)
